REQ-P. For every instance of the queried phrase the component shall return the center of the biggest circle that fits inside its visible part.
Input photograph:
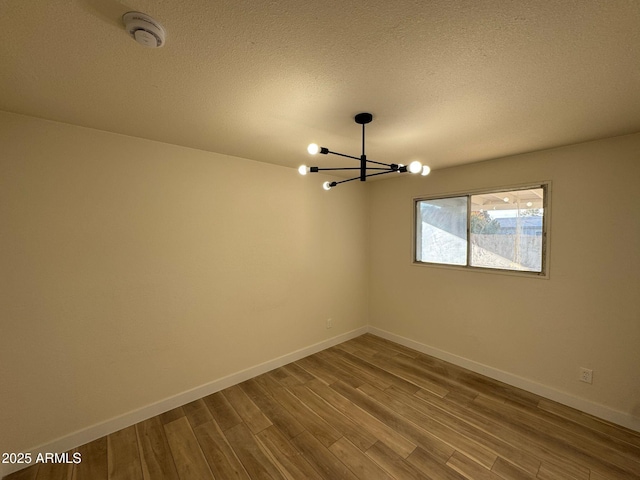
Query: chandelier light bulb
(302, 170)
(425, 171)
(313, 148)
(326, 186)
(415, 167)
(529, 204)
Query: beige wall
(132, 271)
(586, 314)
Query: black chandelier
(379, 167)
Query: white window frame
(546, 219)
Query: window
(500, 229)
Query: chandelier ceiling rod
(361, 119)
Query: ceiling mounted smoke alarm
(144, 29)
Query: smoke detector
(144, 29)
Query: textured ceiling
(448, 82)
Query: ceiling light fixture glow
(415, 167)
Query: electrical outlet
(586, 375)
(329, 323)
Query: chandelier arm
(380, 163)
(348, 180)
(318, 169)
(360, 158)
(349, 168)
(344, 155)
(384, 173)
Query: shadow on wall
(110, 11)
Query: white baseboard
(101, 429)
(605, 413)
(107, 427)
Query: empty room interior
(187, 292)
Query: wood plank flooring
(365, 409)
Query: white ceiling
(448, 82)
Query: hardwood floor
(365, 409)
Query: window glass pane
(506, 230)
(442, 231)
